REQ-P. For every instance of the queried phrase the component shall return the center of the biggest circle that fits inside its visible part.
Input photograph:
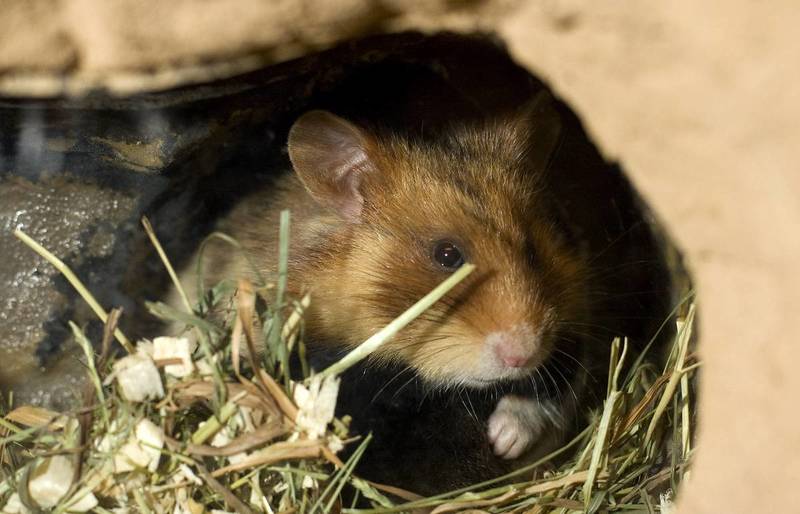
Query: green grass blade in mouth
(389, 331)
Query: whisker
(397, 392)
(569, 384)
(576, 361)
(388, 382)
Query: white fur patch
(517, 424)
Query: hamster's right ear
(330, 155)
(541, 128)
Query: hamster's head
(408, 213)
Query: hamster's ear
(541, 127)
(330, 155)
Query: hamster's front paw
(514, 426)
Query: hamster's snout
(515, 348)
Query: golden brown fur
(477, 186)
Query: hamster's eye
(448, 255)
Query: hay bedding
(206, 422)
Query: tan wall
(699, 100)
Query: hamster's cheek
(445, 360)
(453, 361)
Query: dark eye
(448, 255)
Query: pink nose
(515, 361)
(514, 348)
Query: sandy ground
(698, 100)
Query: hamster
(379, 219)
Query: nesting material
(84, 502)
(174, 348)
(138, 378)
(50, 481)
(48, 486)
(142, 450)
(316, 404)
(218, 433)
(14, 505)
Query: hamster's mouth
(510, 376)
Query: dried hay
(213, 421)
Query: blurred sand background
(698, 100)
